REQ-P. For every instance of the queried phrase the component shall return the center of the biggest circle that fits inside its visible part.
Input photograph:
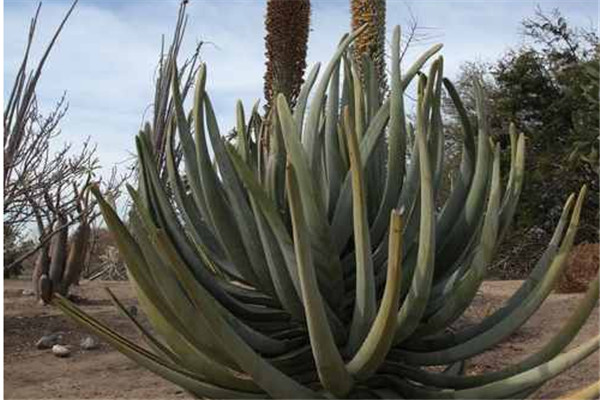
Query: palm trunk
(287, 25)
(369, 53)
(372, 41)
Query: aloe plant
(274, 273)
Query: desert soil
(104, 373)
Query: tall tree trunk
(58, 253)
(287, 25)
(372, 41)
(370, 45)
(76, 257)
(42, 266)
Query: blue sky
(106, 57)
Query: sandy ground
(106, 374)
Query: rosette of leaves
(276, 275)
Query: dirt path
(104, 373)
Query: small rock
(60, 350)
(28, 292)
(89, 343)
(48, 341)
(132, 310)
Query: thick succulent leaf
(330, 366)
(284, 284)
(170, 222)
(532, 377)
(219, 210)
(418, 64)
(448, 339)
(512, 134)
(254, 124)
(283, 279)
(347, 99)
(509, 205)
(375, 347)
(468, 131)
(242, 133)
(273, 178)
(316, 215)
(187, 143)
(181, 334)
(162, 253)
(590, 392)
(141, 270)
(283, 239)
(154, 342)
(196, 228)
(334, 163)
(299, 110)
(370, 78)
(454, 244)
(512, 321)
(365, 296)
(161, 249)
(359, 103)
(464, 292)
(462, 180)
(343, 209)
(506, 388)
(239, 205)
(551, 349)
(311, 131)
(415, 303)
(262, 372)
(150, 361)
(395, 170)
(436, 130)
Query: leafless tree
(30, 167)
(162, 105)
(44, 184)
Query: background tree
(163, 106)
(44, 183)
(34, 171)
(548, 89)
(30, 168)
